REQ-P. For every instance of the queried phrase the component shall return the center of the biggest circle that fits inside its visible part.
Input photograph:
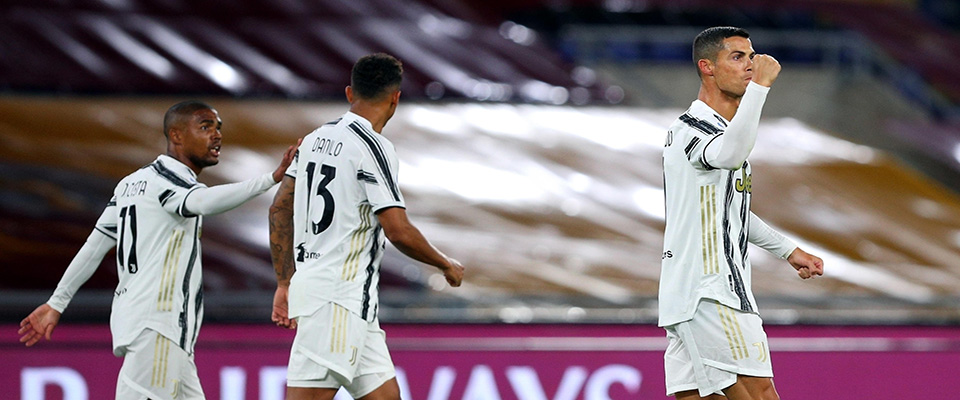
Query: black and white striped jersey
(707, 221)
(345, 173)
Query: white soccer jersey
(707, 222)
(345, 172)
(158, 254)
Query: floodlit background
(529, 135)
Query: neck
(722, 102)
(172, 153)
(378, 113)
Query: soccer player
(328, 221)
(716, 342)
(154, 221)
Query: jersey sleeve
(377, 174)
(173, 197)
(85, 263)
(768, 239)
(292, 169)
(730, 149)
(696, 135)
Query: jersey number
(130, 263)
(328, 172)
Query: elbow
(400, 238)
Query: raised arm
(221, 198)
(731, 149)
(281, 250)
(408, 239)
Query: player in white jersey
(154, 221)
(716, 340)
(328, 222)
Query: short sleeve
(377, 174)
(292, 169)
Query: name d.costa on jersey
(134, 189)
(327, 146)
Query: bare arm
(408, 239)
(281, 249)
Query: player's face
(734, 67)
(201, 139)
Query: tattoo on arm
(281, 232)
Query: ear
(175, 135)
(349, 92)
(706, 67)
(395, 97)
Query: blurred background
(529, 136)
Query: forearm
(80, 270)
(413, 244)
(768, 239)
(221, 198)
(281, 243)
(731, 149)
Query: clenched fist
(765, 69)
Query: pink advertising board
(510, 362)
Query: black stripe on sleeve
(690, 146)
(378, 154)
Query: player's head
(192, 129)
(710, 42)
(376, 76)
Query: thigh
(155, 367)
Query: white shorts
(155, 367)
(335, 348)
(709, 351)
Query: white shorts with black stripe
(707, 352)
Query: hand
(280, 315)
(454, 273)
(38, 325)
(807, 265)
(765, 69)
(286, 161)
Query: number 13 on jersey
(327, 173)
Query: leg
(309, 393)
(694, 395)
(752, 388)
(388, 391)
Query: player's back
(345, 172)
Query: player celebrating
(154, 220)
(716, 341)
(338, 200)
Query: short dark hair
(373, 75)
(709, 42)
(176, 113)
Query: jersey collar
(698, 107)
(177, 167)
(350, 116)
